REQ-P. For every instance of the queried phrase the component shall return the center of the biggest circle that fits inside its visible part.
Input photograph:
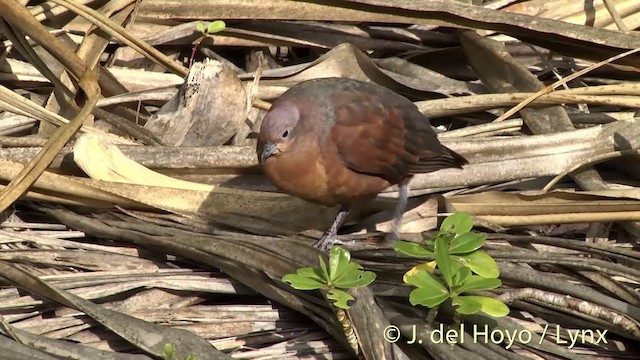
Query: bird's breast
(300, 173)
(321, 176)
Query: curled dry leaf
(208, 109)
(120, 175)
(104, 161)
(345, 60)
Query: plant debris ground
(135, 222)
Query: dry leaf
(208, 110)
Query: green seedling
(463, 268)
(210, 28)
(341, 273)
(206, 31)
(169, 353)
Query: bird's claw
(328, 240)
(389, 238)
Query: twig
(591, 161)
(550, 88)
(615, 16)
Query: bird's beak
(268, 150)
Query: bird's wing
(383, 137)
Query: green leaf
(466, 305)
(299, 282)
(340, 298)
(428, 244)
(323, 268)
(489, 306)
(412, 249)
(311, 273)
(460, 276)
(428, 297)
(480, 263)
(458, 223)
(444, 261)
(467, 242)
(423, 279)
(429, 267)
(478, 283)
(349, 269)
(200, 26)
(168, 350)
(339, 260)
(355, 279)
(216, 26)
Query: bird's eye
(285, 134)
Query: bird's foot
(330, 237)
(389, 238)
(328, 240)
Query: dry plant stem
(132, 129)
(500, 72)
(12, 141)
(614, 15)
(550, 88)
(582, 306)
(381, 11)
(522, 157)
(543, 155)
(92, 46)
(17, 15)
(562, 218)
(228, 255)
(143, 334)
(13, 13)
(124, 35)
(163, 94)
(589, 264)
(621, 254)
(231, 159)
(622, 96)
(609, 284)
(595, 160)
(20, 105)
(530, 277)
(483, 129)
(251, 90)
(30, 173)
(261, 104)
(507, 75)
(23, 46)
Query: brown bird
(335, 141)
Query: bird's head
(278, 131)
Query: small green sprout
(206, 30)
(211, 28)
(169, 353)
(462, 267)
(342, 273)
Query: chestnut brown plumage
(334, 141)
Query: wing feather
(385, 135)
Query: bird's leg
(331, 236)
(403, 196)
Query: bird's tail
(457, 159)
(445, 159)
